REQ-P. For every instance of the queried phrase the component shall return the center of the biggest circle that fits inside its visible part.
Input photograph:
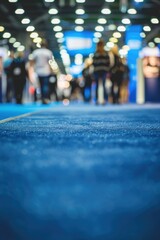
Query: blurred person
(19, 75)
(116, 74)
(101, 63)
(53, 86)
(87, 74)
(40, 59)
(124, 93)
(1, 70)
(9, 81)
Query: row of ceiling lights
(78, 21)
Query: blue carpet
(81, 173)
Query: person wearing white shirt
(41, 58)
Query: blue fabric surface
(81, 173)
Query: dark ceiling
(37, 12)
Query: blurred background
(72, 28)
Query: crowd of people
(105, 71)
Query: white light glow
(57, 28)
(6, 35)
(154, 20)
(53, 11)
(80, 11)
(121, 28)
(25, 21)
(30, 28)
(79, 29)
(102, 21)
(79, 21)
(55, 21)
(132, 11)
(147, 28)
(106, 11)
(126, 21)
(99, 28)
(19, 11)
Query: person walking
(40, 59)
(9, 81)
(101, 63)
(19, 75)
(116, 74)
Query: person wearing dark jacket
(101, 63)
(116, 74)
(19, 75)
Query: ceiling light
(60, 40)
(106, 11)
(99, 28)
(147, 28)
(151, 44)
(53, 11)
(80, 11)
(12, 1)
(34, 35)
(57, 28)
(49, 0)
(80, 1)
(116, 35)
(21, 48)
(12, 40)
(121, 28)
(109, 0)
(114, 40)
(126, 21)
(25, 21)
(79, 21)
(1, 28)
(59, 35)
(55, 21)
(111, 27)
(132, 11)
(157, 40)
(19, 11)
(143, 35)
(110, 44)
(6, 35)
(97, 34)
(126, 47)
(79, 29)
(96, 40)
(138, 1)
(102, 21)
(154, 20)
(16, 44)
(37, 40)
(30, 28)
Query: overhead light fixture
(116, 35)
(102, 21)
(126, 21)
(57, 28)
(30, 28)
(19, 11)
(12, 1)
(138, 1)
(12, 40)
(59, 35)
(121, 28)
(79, 21)
(34, 35)
(6, 35)
(49, 1)
(1, 28)
(80, 1)
(80, 11)
(111, 27)
(106, 11)
(99, 28)
(21, 48)
(16, 44)
(109, 1)
(151, 44)
(25, 21)
(154, 20)
(142, 35)
(79, 29)
(55, 21)
(147, 28)
(132, 11)
(97, 34)
(157, 40)
(53, 11)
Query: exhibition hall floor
(79, 172)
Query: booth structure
(148, 76)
